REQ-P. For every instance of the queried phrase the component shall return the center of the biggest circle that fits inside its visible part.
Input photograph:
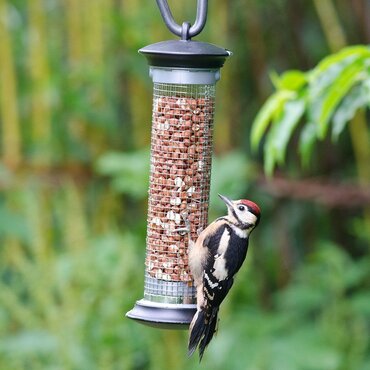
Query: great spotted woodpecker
(214, 259)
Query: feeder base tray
(162, 315)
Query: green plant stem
(39, 74)
(11, 139)
(361, 146)
(332, 28)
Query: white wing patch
(224, 242)
(221, 272)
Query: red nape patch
(252, 206)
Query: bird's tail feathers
(196, 331)
(202, 329)
(209, 331)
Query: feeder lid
(185, 54)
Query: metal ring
(185, 31)
(178, 30)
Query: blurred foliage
(128, 171)
(75, 107)
(333, 91)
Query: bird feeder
(184, 74)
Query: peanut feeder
(184, 74)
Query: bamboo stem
(361, 146)
(224, 94)
(40, 80)
(330, 23)
(94, 54)
(74, 32)
(93, 23)
(11, 140)
(75, 55)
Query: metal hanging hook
(184, 31)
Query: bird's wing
(217, 281)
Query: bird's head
(243, 212)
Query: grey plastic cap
(190, 76)
(185, 54)
(162, 316)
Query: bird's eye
(241, 208)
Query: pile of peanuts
(181, 150)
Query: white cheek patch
(247, 217)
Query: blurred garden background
(75, 114)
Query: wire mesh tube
(181, 153)
(184, 73)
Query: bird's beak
(228, 201)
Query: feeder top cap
(185, 54)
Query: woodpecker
(214, 259)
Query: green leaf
(360, 303)
(306, 142)
(281, 132)
(346, 55)
(292, 80)
(322, 77)
(275, 79)
(283, 129)
(325, 89)
(266, 114)
(366, 86)
(346, 80)
(354, 100)
(128, 171)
